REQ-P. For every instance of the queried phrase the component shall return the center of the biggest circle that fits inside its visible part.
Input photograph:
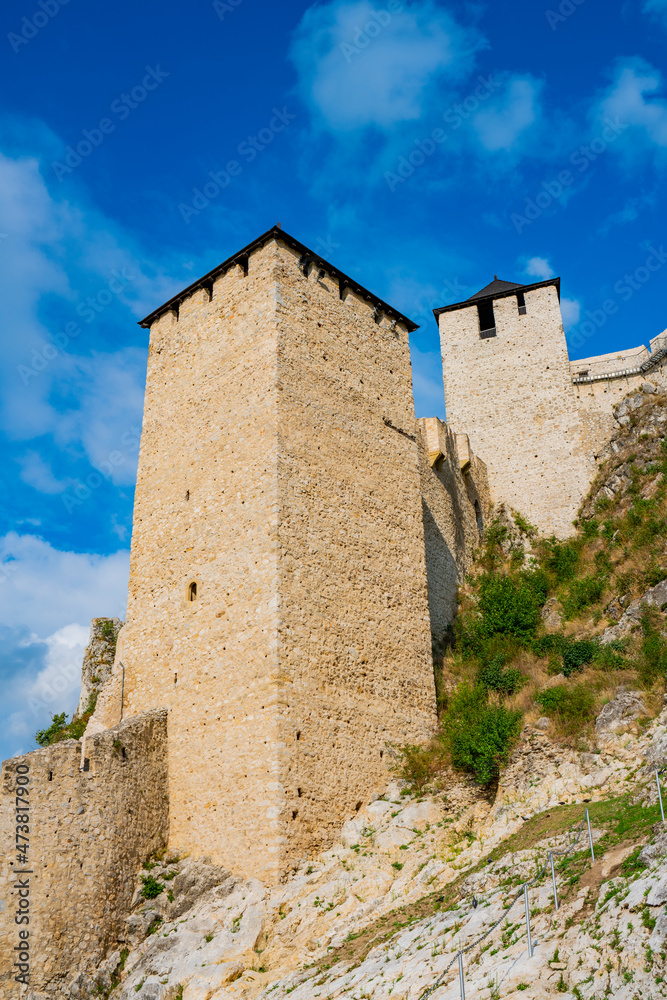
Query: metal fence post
(553, 878)
(461, 978)
(657, 781)
(530, 943)
(590, 836)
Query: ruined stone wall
(456, 506)
(513, 395)
(279, 471)
(91, 825)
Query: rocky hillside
(552, 701)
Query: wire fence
(458, 957)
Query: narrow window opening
(50, 775)
(320, 275)
(243, 263)
(86, 763)
(299, 791)
(480, 519)
(187, 494)
(295, 813)
(124, 753)
(358, 806)
(175, 678)
(521, 303)
(209, 291)
(381, 754)
(487, 319)
(192, 591)
(176, 309)
(298, 735)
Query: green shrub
(653, 652)
(44, 737)
(610, 655)
(478, 736)
(495, 676)
(576, 653)
(571, 707)
(560, 559)
(152, 887)
(582, 593)
(415, 765)
(507, 606)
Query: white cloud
(43, 588)
(59, 254)
(570, 311)
(47, 600)
(38, 474)
(500, 126)
(657, 9)
(360, 66)
(540, 268)
(632, 101)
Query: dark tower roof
(497, 289)
(494, 287)
(306, 255)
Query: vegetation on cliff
(552, 629)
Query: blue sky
(421, 146)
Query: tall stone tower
(508, 385)
(278, 601)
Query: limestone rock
(98, 659)
(619, 713)
(658, 848)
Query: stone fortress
(298, 542)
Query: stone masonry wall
(513, 395)
(455, 506)
(596, 399)
(354, 637)
(91, 825)
(279, 472)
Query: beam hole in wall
(175, 678)
(295, 813)
(187, 494)
(358, 806)
(487, 320)
(192, 591)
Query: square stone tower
(508, 385)
(278, 600)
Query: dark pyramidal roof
(495, 287)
